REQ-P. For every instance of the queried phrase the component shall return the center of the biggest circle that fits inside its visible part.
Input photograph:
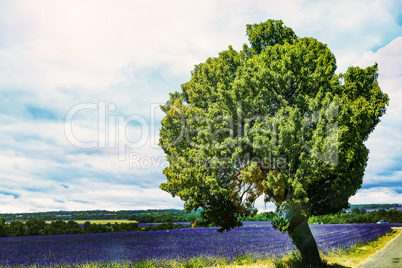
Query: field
(99, 221)
(81, 222)
(258, 239)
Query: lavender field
(256, 238)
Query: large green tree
(271, 120)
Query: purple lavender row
(174, 244)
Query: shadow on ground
(337, 266)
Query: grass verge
(359, 253)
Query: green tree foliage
(97, 228)
(56, 227)
(376, 206)
(35, 226)
(16, 228)
(128, 227)
(269, 33)
(265, 216)
(142, 216)
(271, 120)
(358, 211)
(3, 228)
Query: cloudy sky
(81, 81)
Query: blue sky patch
(10, 194)
(41, 113)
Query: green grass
(358, 254)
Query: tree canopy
(271, 120)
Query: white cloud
(57, 54)
(89, 195)
(377, 195)
(384, 143)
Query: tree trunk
(302, 237)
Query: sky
(81, 83)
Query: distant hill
(151, 215)
(372, 207)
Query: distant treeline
(176, 215)
(33, 227)
(142, 216)
(359, 216)
(264, 216)
(376, 206)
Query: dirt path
(390, 256)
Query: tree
(35, 226)
(56, 228)
(3, 227)
(271, 120)
(16, 228)
(358, 211)
(72, 227)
